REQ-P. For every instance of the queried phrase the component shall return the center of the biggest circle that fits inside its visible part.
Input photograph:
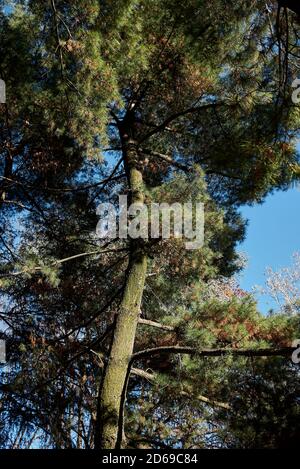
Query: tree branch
(259, 352)
(206, 400)
(151, 377)
(168, 120)
(61, 261)
(166, 158)
(164, 327)
(70, 189)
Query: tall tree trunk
(113, 387)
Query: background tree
(283, 287)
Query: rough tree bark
(113, 386)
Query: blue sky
(273, 235)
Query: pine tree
(132, 97)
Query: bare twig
(164, 327)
